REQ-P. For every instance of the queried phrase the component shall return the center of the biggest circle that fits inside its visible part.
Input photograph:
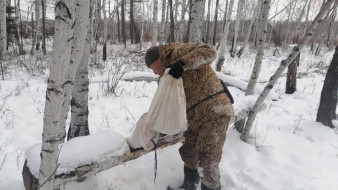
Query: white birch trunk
(37, 25)
(237, 22)
(306, 18)
(142, 26)
(292, 9)
(3, 31)
(197, 14)
(79, 103)
(284, 64)
(80, 30)
(64, 19)
(181, 24)
(17, 22)
(248, 33)
(155, 11)
(263, 26)
(298, 22)
(221, 53)
(163, 22)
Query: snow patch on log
(81, 151)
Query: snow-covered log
(105, 150)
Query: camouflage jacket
(199, 79)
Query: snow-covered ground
(289, 150)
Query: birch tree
(222, 49)
(154, 33)
(123, 22)
(306, 18)
(180, 32)
(284, 64)
(263, 23)
(17, 22)
(71, 21)
(3, 31)
(43, 6)
(324, 28)
(35, 43)
(248, 33)
(172, 24)
(298, 23)
(237, 22)
(215, 23)
(197, 13)
(132, 22)
(162, 22)
(64, 20)
(79, 103)
(208, 23)
(263, 26)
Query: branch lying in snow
(229, 81)
(110, 161)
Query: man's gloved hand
(176, 70)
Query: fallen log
(82, 171)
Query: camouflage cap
(152, 55)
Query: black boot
(204, 187)
(191, 180)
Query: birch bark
(196, 22)
(237, 22)
(154, 38)
(248, 33)
(17, 22)
(162, 22)
(226, 24)
(79, 103)
(215, 23)
(35, 43)
(3, 31)
(263, 25)
(64, 20)
(284, 64)
(80, 29)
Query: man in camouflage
(208, 109)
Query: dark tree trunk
(291, 80)
(137, 33)
(43, 27)
(131, 17)
(215, 25)
(118, 25)
(172, 24)
(328, 99)
(104, 56)
(123, 24)
(32, 25)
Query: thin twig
(3, 161)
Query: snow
(288, 149)
(80, 151)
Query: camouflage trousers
(203, 148)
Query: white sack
(166, 115)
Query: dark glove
(176, 70)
